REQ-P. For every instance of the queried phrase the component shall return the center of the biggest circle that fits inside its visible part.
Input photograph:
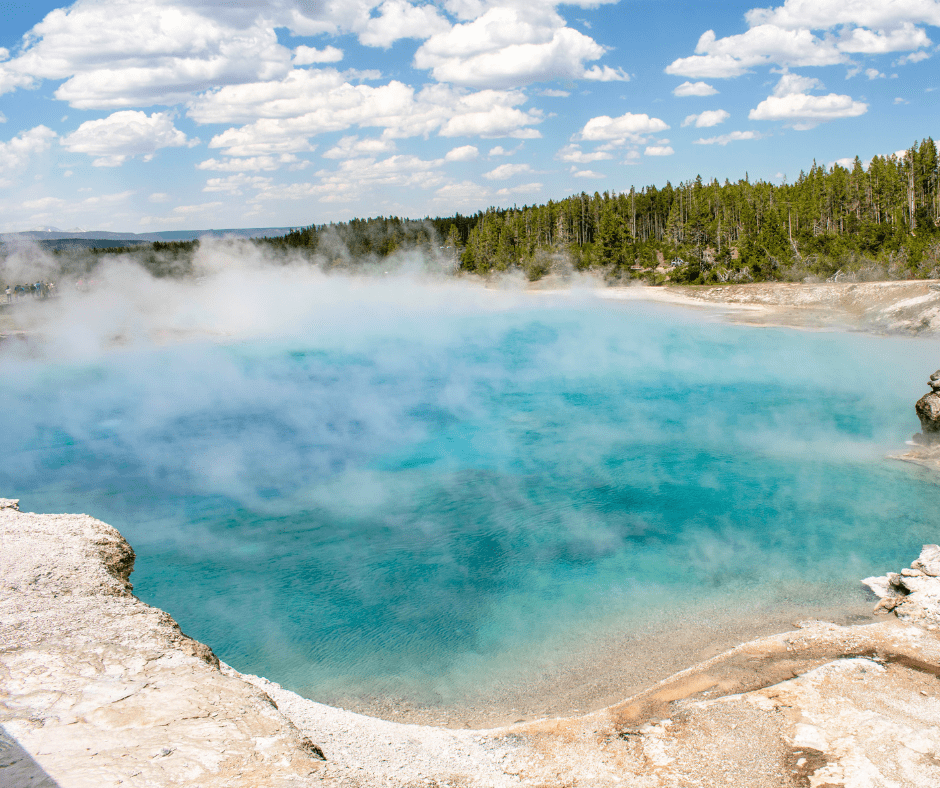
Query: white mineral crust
(913, 594)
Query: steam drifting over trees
(879, 221)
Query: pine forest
(880, 221)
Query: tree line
(874, 221)
(880, 221)
(871, 222)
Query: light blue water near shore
(423, 504)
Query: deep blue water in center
(414, 505)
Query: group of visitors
(36, 290)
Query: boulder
(884, 588)
(913, 595)
(929, 561)
(928, 411)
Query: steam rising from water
(403, 484)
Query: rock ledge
(98, 687)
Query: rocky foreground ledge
(98, 689)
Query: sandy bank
(907, 307)
(99, 689)
(589, 675)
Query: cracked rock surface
(913, 594)
(99, 689)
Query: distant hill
(95, 238)
(86, 243)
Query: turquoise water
(420, 503)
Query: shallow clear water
(424, 504)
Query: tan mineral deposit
(894, 307)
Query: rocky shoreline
(99, 689)
(926, 444)
(902, 307)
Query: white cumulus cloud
(707, 119)
(144, 53)
(283, 114)
(398, 19)
(694, 89)
(116, 53)
(16, 154)
(823, 14)
(658, 150)
(250, 163)
(508, 46)
(586, 173)
(914, 57)
(504, 171)
(525, 188)
(628, 126)
(724, 139)
(795, 83)
(846, 161)
(812, 33)
(355, 178)
(123, 135)
(462, 153)
(474, 116)
(802, 111)
(878, 42)
(352, 147)
(234, 184)
(761, 45)
(791, 103)
(574, 154)
(605, 74)
(304, 55)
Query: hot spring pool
(433, 503)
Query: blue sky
(171, 114)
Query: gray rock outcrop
(928, 411)
(913, 594)
(99, 688)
